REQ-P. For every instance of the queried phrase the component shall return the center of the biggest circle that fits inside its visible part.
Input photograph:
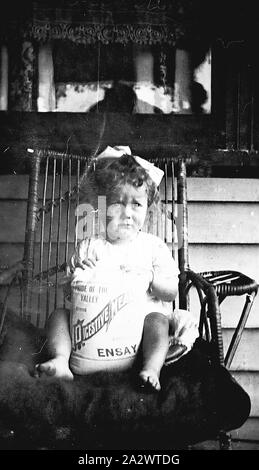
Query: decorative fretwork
(117, 21)
(103, 33)
(22, 74)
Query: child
(122, 282)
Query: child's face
(126, 213)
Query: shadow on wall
(122, 98)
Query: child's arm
(84, 257)
(164, 285)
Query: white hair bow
(119, 150)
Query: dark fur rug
(110, 411)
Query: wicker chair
(202, 376)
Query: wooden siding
(224, 234)
(216, 222)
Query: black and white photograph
(129, 240)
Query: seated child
(122, 281)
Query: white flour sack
(108, 310)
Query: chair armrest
(228, 283)
(210, 316)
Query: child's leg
(154, 348)
(59, 347)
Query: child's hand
(88, 263)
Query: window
(122, 78)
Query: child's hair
(105, 176)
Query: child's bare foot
(149, 378)
(57, 367)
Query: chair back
(56, 222)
